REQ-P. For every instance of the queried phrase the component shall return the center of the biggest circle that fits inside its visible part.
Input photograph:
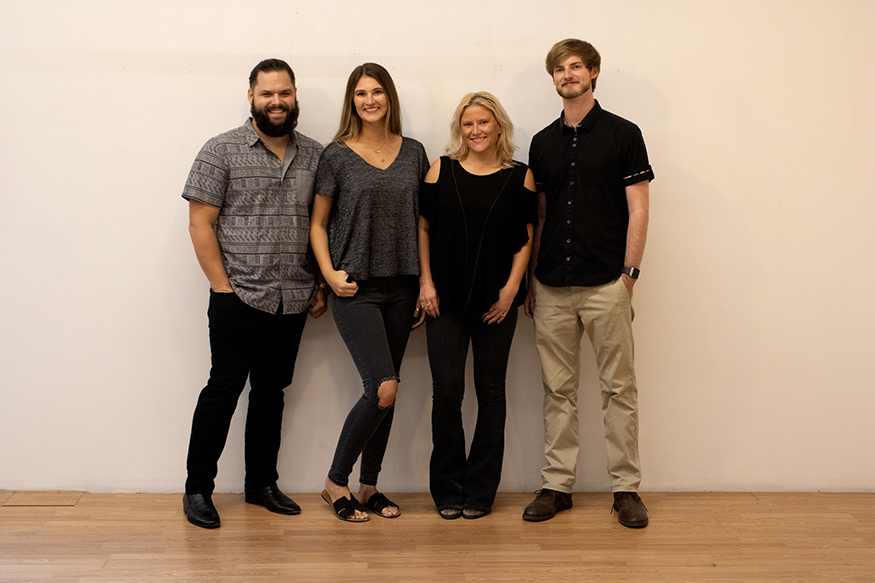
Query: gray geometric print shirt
(263, 228)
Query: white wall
(755, 328)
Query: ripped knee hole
(386, 393)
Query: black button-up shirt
(583, 172)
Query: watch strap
(632, 272)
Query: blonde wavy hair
(457, 149)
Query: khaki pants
(605, 313)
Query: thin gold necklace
(377, 150)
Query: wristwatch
(632, 272)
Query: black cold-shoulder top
(476, 225)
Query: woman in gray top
(364, 235)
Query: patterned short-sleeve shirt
(263, 228)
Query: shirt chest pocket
(300, 184)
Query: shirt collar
(251, 137)
(586, 123)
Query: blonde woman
(477, 214)
(363, 234)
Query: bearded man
(249, 193)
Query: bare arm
(320, 303)
(428, 298)
(319, 244)
(201, 218)
(638, 200)
(533, 262)
(499, 309)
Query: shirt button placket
(573, 191)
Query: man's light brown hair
(572, 47)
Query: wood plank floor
(78, 537)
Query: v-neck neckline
(403, 141)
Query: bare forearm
(424, 254)
(533, 257)
(206, 248)
(536, 239)
(520, 262)
(638, 201)
(319, 244)
(337, 279)
(201, 218)
(636, 237)
(319, 233)
(428, 298)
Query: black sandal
(344, 508)
(378, 502)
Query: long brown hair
(350, 122)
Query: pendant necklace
(377, 150)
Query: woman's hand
(499, 309)
(339, 284)
(418, 316)
(429, 302)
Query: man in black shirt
(593, 177)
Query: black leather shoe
(271, 498)
(546, 505)
(200, 511)
(631, 511)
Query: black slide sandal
(344, 508)
(378, 502)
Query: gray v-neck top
(372, 231)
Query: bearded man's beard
(271, 129)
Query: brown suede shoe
(630, 509)
(546, 504)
